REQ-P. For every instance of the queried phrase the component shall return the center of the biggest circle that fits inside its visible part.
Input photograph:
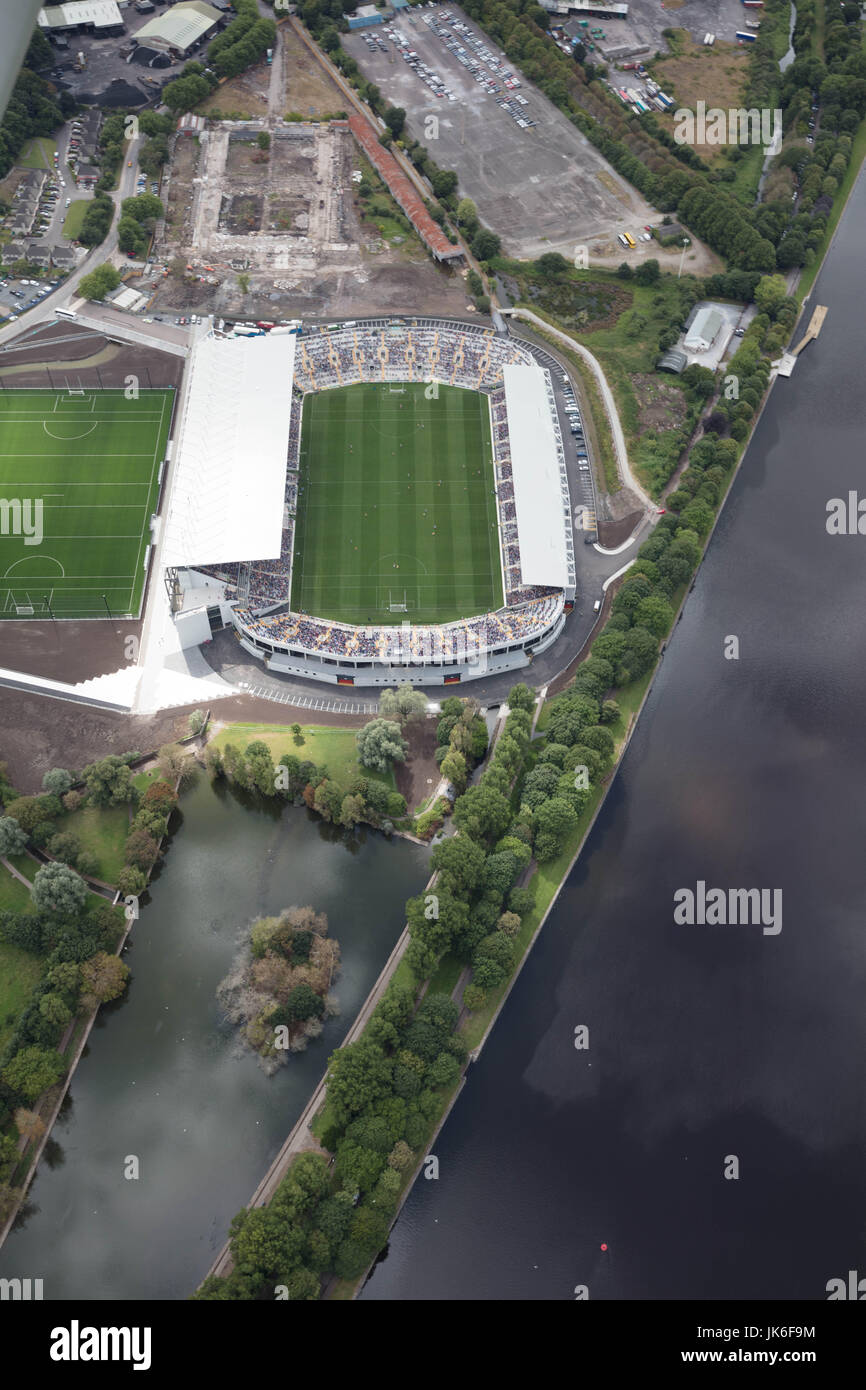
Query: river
(164, 1078)
(706, 1043)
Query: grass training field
(78, 483)
(396, 505)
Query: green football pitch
(396, 506)
(78, 482)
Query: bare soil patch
(246, 95)
(241, 213)
(614, 533)
(417, 777)
(714, 75)
(662, 406)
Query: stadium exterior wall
(333, 672)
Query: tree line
(35, 107)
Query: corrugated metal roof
(180, 26)
(102, 13)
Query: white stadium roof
(543, 511)
(228, 490)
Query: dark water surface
(705, 1041)
(164, 1078)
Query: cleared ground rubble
(289, 221)
(542, 188)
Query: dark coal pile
(117, 93)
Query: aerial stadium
(405, 484)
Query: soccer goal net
(396, 390)
(397, 603)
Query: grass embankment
(620, 323)
(19, 973)
(38, 153)
(14, 897)
(332, 747)
(595, 421)
(74, 219)
(142, 780)
(102, 831)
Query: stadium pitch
(396, 516)
(78, 482)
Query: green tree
(380, 743)
(13, 837)
(302, 1003)
(770, 294)
(109, 782)
(395, 120)
(99, 282)
(656, 615)
(141, 849)
(554, 821)
(358, 1075)
(467, 215)
(58, 891)
(184, 93)
(57, 781)
(482, 812)
(352, 810)
(104, 977)
(32, 1070)
(485, 245)
(404, 704)
(453, 767)
(53, 1008)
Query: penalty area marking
(47, 559)
(66, 438)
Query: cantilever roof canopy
(537, 478)
(231, 452)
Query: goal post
(396, 603)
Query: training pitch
(397, 514)
(78, 482)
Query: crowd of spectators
(449, 641)
(469, 357)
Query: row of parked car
(35, 291)
(51, 195)
(572, 410)
(485, 68)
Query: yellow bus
(630, 240)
